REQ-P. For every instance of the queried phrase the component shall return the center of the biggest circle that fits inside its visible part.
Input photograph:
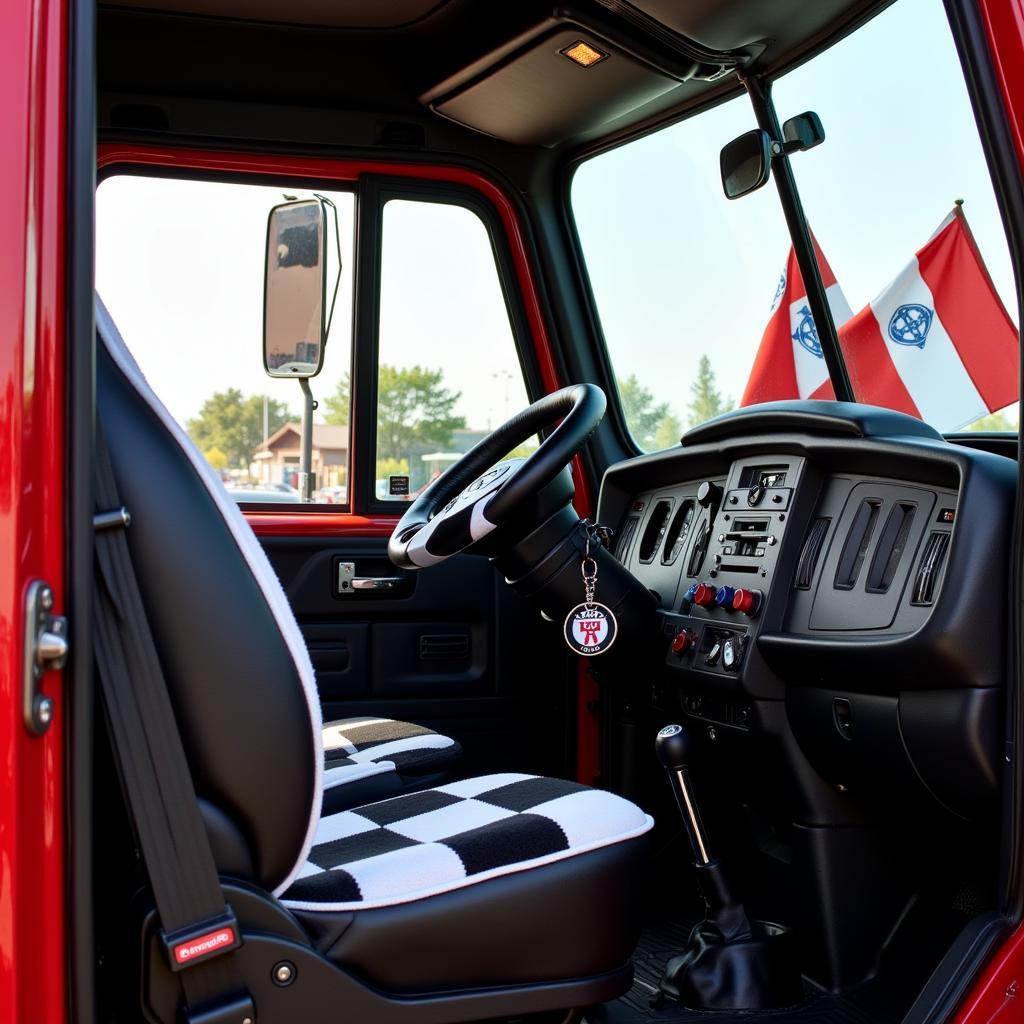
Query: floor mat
(661, 942)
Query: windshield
(697, 297)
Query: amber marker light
(584, 54)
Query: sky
(678, 270)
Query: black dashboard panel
(848, 571)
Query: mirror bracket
(325, 204)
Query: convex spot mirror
(295, 289)
(802, 132)
(746, 162)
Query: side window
(448, 367)
(179, 264)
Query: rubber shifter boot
(731, 962)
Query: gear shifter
(673, 747)
(730, 962)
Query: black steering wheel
(479, 493)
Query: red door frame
(33, 69)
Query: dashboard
(845, 563)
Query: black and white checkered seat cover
(423, 844)
(355, 748)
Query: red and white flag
(789, 362)
(937, 343)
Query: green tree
(652, 424)
(414, 411)
(994, 421)
(392, 467)
(706, 401)
(216, 458)
(234, 424)
(668, 432)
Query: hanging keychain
(590, 628)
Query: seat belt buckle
(202, 941)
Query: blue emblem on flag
(807, 334)
(779, 290)
(910, 324)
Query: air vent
(928, 571)
(811, 552)
(675, 539)
(626, 538)
(444, 647)
(654, 531)
(856, 544)
(890, 547)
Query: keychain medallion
(590, 628)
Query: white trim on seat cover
(254, 556)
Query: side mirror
(746, 163)
(802, 132)
(294, 290)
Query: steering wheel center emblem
(910, 324)
(806, 334)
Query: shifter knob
(673, 747)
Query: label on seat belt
(197, 949)
(202, 941)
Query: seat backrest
(235, 662)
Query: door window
(180, 264)
(449, 371)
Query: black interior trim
(987, 441)
(952, 977)
(1000, 151)
(80, 362)
(849, 419)
(365, 328)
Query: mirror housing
(805, 131)
(295, 290)
(746, 163)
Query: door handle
(348, 582)
(375, 582)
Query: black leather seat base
(327, 993)
(574, 918)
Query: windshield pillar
(760, 95)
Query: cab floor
(662, 941)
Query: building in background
(277, 459)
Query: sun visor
(556, 84)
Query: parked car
(243, 493)
(336, 495)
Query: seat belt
(197, 926)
